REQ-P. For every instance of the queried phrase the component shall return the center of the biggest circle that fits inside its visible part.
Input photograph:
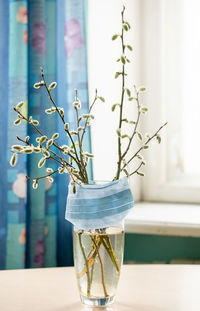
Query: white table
(141, 288)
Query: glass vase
(98, 257)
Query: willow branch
(86, 120)
(101, 265)
(136, 125)
(122, 102)
(86, 263)
(61, 116)
(134, 172)
(41, 177)
(145, 144)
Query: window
(166, 40)
(171, 38)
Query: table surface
(141, 288)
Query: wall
(147, 248)
(104, 20)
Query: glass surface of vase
(98, 257)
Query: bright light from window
(190, 81)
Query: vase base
(98, 302)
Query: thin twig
(101, 265)
(41, 177)
(61, 116)
(136, 124)
(145, 144)
(122, 101)
(86, 263)
(142, 163)
(85, 125)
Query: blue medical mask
(96, 206)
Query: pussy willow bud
(13, 159)
(73, 133)
(42, 139)
(66, 126)
(61, 170)
(35, 183)
(49, 170)
(46, 153)
(17, 122)
(19, 105)
(28, 150)
(36, 149)
(17, 147)
(27, 139)
(52, 86)
(50, 179)
(49, 143)
(48, 111)
(61, 111)
(41, 162)
(77, 104)
(35, 122)
(37, 85)
(55, 136)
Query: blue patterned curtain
(34, 33)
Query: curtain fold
(51, 34)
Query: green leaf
(114, 37)
(158, 138)
(126, 172)
(140, 156)
(113, 107)
(117, 75)
(132, 98)
(89, 155)
(144, 109)
(129, 26)
(102, 99)
(139, 135)
(142, 89)
(124, 136)
(125, 27)
(118, 132)
(123, 60)
(128, 92)
(129, 47)
(140, 174)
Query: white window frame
(157, 37)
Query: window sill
(164, 219)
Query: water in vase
(98, 256)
